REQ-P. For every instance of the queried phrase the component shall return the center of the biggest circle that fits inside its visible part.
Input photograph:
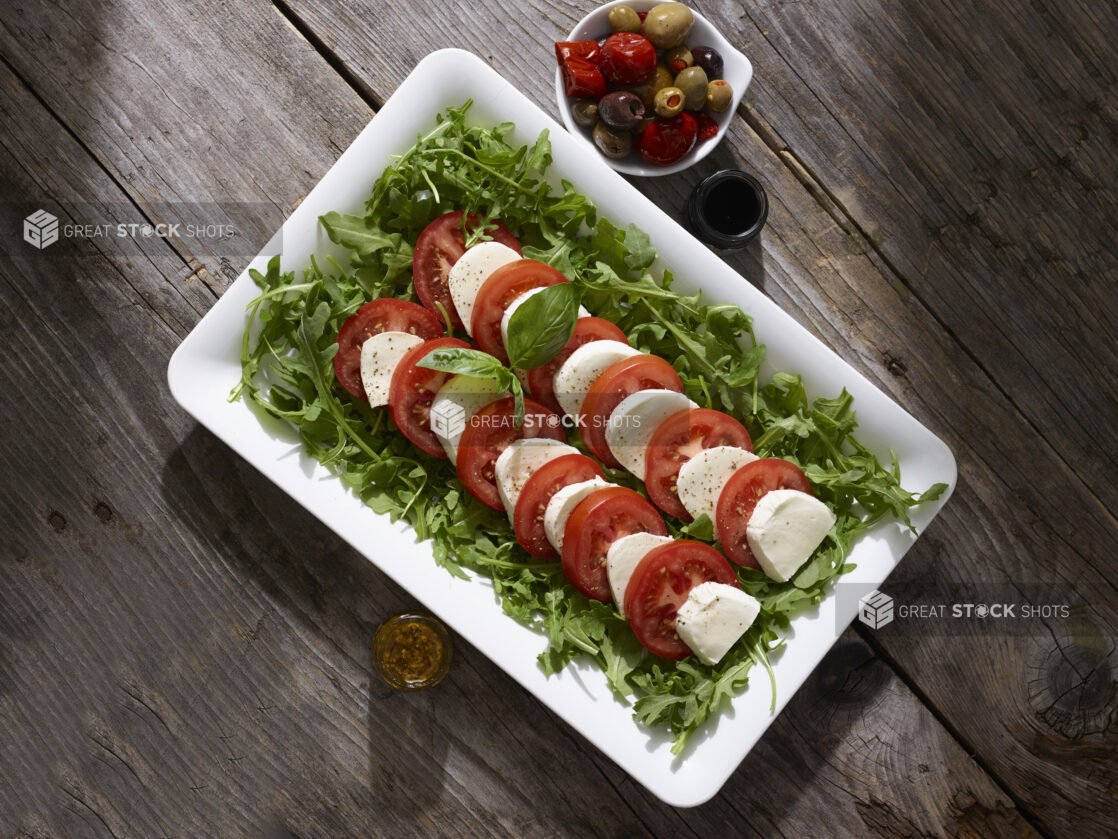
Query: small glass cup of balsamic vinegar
(728, 209)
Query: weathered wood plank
(844, 291)
(184, 651)
(969, 144)
(790, 268)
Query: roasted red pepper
(586, 50)
(582, 79)
(708, 128)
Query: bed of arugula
(287, 355)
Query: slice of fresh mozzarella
(635, 420)
(713, 617)
(469, 273)
(516, 304)
(702, 478)
(562, 504)
(577, 373)
(622, 559)
(380, 354)
(456, 402)
(784, 530)
(520, 461)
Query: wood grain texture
(970, 145)
(1004, 528)
(256, 682)
(184, 651)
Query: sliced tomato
(384, 315)
(411, 392)
(541, 380)
(497, 293)
(678, 439)
(438, 247)
(488, 433)
(532, 504)
(660, 585)
(621, 379)
(599, 520)
(740, 496)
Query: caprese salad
(680, 596)
(599, 464)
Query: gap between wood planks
(769, 136)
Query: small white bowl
(736, 70)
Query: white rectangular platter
(207, 365)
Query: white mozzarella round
(577, 373)
(520, 461)
(380, 355)
(563, 503)
(454, 405)
(703, 477)
(785, 528)
(635, 420)
(713, 617)
(622, 559)
(469, 273)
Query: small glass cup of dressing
(412, 651)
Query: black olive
(621, 110)
(709, 59)
(612, 142)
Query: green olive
(669, 102)
(668, 24)
(719, 95)
(647, 89)
(611, 142)
(585, 112)
(693, 83)
(679, 58)
(624, 19)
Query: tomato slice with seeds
(621, 379)
(678, 439)
(740, 496)
(597, 522)
(541, 380)
(538, 491)
(438, 247)
(497, 293)
(488, 433)
(412, 391)
(660, 585)
(384, 315)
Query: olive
(646, 90)
(621, 109)
(612, 142)
(678, 58)
(709, 59)
(668, 24)
(693, 82)
(669, 102)
(719, 95)
(585, 112)
(624, 19)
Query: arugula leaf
(541, 326)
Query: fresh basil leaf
(463, 362)
(541, 325)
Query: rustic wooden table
(185, 652)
